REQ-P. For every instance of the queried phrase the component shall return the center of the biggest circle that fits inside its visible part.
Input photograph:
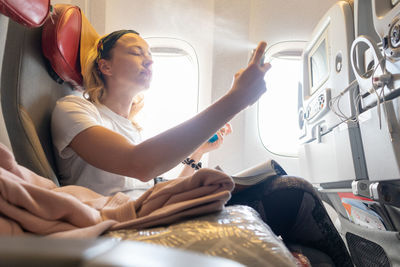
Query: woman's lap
(293, 210)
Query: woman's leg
(293, 210)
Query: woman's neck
(118, 106)
(119, 100)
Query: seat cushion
(236, 233)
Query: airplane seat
(27, 17)
(28, 93)
(344, 151)
(4, 139)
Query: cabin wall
(276, 22)
(231, 52)
(239, 26)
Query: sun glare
(172, 97)
(277, 108)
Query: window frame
(283, 50)
(179, 46)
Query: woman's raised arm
(111, 152)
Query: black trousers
(294, 211)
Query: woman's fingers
(227, 129)
(249, 83)
(258, 54)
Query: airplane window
(173, 94)
(277, 108)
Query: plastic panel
(331, 149)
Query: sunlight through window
(277, 108)
(173, 94)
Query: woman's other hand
(208, 146)
(249, 83)
(205, 148)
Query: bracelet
(191, 163)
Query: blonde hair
(95, 86)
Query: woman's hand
(208, 146)
(249, 83)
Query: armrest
(39, 251)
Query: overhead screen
(318, 65)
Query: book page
(263, 168)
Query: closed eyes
(138, 51)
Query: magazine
(258, 173)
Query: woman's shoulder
(73, 102)
(78, 99)
(75, 106)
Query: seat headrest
(65, 34)
(60, 42)
(31, 13)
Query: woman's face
(131, 62)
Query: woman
(97, 144)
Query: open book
(258, 173)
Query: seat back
(3, 30)
(28, 96)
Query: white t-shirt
(73, 114)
